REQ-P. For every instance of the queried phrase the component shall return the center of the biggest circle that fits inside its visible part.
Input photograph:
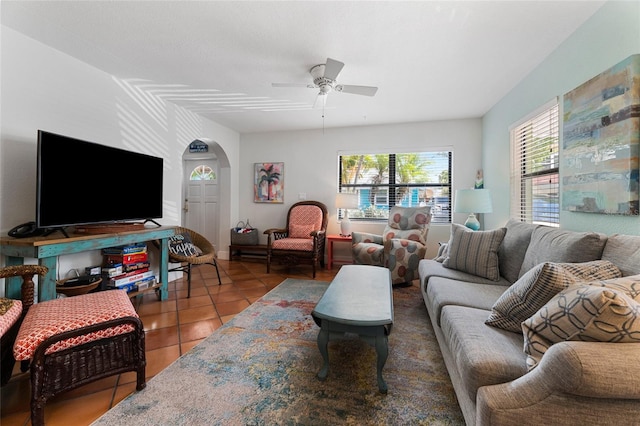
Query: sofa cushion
(624, 252)
(442, 292)
(514, 247)
(556, 245)
(536, 287)
(475, 252)
(603, 312)
(483, 355)
(431, 268)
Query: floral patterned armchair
(400, 247)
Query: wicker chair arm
(22, 270)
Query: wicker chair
(207, 257)
(303, 238)
(16, 314)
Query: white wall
(43, 88)
(311, 166)
(608, 37)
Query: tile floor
(172, 327)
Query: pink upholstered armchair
(303, 238)
(400, 247)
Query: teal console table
(47, 249)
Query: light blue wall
(608, 37)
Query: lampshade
(347, 201)
(472, 201)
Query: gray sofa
(575, 382)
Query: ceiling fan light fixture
(325, 88)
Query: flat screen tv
(80, 183)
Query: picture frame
(601, 143)
(268, 186)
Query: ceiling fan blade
(332, 69)
(292, 85)
(356, 90)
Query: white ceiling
(431, 60)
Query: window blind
(535, 169)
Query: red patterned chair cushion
(306, 215)
(301, 231)
(49, 318)
(299, 244)
(8, 318)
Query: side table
(330, 240)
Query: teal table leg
(164, 268)
(47, 284)
(382, 349)
(13, 285)
(323, 342)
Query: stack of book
(127, 268)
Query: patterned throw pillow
(535, 288)
(600, 311)
(474, 252)
(300, 231)
(181, 245)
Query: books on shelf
(120, 280)
(143, 284)
(127, 268)
(127, 249)
(125, 259)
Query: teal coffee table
(358, 301)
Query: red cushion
(46, 319)
(300, 231)
(300, 244)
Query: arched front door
(201, 189)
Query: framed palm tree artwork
(268, 186)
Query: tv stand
(47, 249)
(50, 231)
(152, 221)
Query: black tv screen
(80, 182)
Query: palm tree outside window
(403, 179)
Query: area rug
(260, 369)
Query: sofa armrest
(587, 373)
(362, 237)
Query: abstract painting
(601, 140)
(268, 184)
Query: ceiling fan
(324, 79)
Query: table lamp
(472, 201)
(346, 201)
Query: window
(202, 173)
(403, 179)
(534, 168)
